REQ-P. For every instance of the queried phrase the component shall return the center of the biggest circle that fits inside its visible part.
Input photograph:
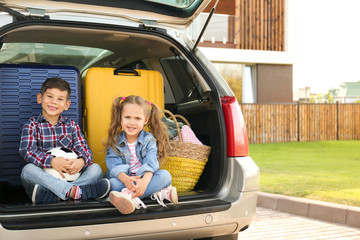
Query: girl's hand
(141, 184)
(61, 165)
(132, 181)
(128, 181)
(140, 187)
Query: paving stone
(331, 212)
(272, 224)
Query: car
(129, 36)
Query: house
(348, 92)
(251, 41)
(303, 95)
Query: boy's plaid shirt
(39, 136)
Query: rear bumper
(185, 227)
(232, 211)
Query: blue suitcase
(19, 85)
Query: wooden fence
(271, 123)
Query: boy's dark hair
(58, 83)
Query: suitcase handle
(117, 71)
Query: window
(175, 3)
(240, 78)
(55, 54)
(249, 85)
(220, 29)
(182, 78)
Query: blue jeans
(32, 175)
(161, 179)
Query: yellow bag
(185, 161)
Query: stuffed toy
(67, 154)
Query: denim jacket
(146, 151)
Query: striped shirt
(39, 136)
(135, 163)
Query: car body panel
(226, 207)
(141, 11)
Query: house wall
(273, 69)
(223, 7)
(257, 25)
(274, 83)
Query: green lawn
(327, 170)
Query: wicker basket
(185, 161)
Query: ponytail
(159, 130)
(115, 123)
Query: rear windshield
(55, 54)
(175, 3)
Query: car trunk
(186, 91)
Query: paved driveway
(269, 224)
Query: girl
(132, 155)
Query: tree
(312, 99)
(319, 98)
(329, 98)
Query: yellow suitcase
(101, 87)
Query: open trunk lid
(165, 13)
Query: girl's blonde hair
(156, 127)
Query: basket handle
(176, 122)
(183, 118)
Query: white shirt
(135, 163)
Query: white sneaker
(124, 202)
(169, 193)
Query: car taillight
(237, 141)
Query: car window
(175, 3)
(55, 54)
(182, 78)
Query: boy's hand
(61, 165)
(75, 165)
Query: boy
(50, 130)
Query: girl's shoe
(169, 193)
(124, 202)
